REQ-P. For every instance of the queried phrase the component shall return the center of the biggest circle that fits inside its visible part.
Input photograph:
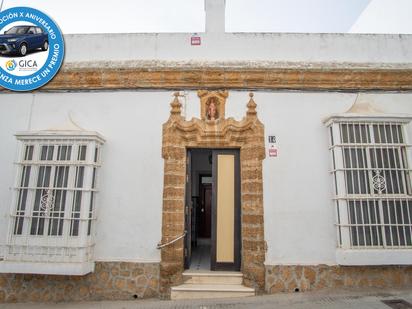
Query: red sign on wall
(273, 152)
(195, 40)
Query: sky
(130, 16)
(383, 17)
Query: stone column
(174, 154)
(253, 242)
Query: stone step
(213, 277)
(199, 291)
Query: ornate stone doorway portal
(213, 131)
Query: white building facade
(98, 168)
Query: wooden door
(226, 244)
(205, 211)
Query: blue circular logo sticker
(31, 49)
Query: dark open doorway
(208, 245)
(199, 224)
(202, 218)
(205, 215)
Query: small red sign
(273, 152)
(195, 40)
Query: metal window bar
(92, 197)
(340, 176)
(375, 187)
(46, 220)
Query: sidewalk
(330, 299)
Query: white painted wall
(14, 116)
(131, 179)
(337, 49)
(299, 218)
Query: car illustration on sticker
(22, 39)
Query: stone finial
(251, 106)
(176, 105)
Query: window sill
(352, 257)
(72, 269)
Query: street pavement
(327, 299)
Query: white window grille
(372, 182)
(53, 214)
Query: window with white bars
(372, 183)
(53, 215)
